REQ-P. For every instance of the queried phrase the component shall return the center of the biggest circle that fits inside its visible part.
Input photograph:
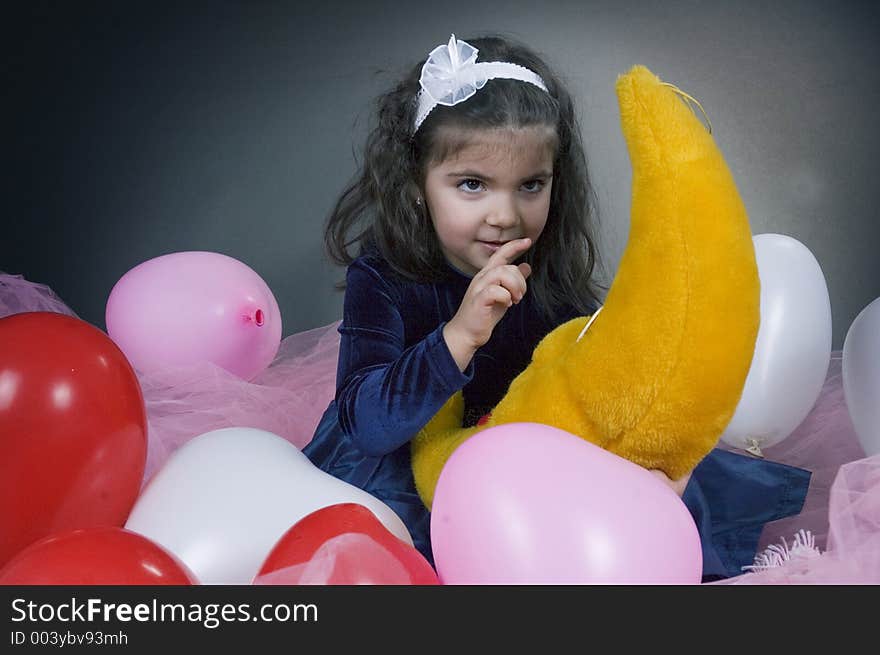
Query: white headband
(452, 75)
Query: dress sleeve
(386, 392)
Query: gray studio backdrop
(232, 127)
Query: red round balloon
(96, 556)
(300, 543)
(73, 429)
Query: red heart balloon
(382, 560)
(96, 556)
(73, 429)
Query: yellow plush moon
(657, 376)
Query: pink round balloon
(194, 307)
(526, 503)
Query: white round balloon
(793, 348)
(222, 501)
(860, 370)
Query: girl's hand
(676, 485)
(493, 290)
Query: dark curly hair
(377, 211)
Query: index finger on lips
(508, 252)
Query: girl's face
(494, 189)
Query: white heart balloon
(860, 370)
(793, 348)
(222, 501)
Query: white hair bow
(451, 75)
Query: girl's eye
(470, 185)
(534, 186)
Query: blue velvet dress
(395, 372)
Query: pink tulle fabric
(18, 295)
(852, 556)
(841, 511)
(287, 398)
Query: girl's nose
(503, 213)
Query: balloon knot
(754, 448)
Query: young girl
(471, 223)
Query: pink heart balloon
(526, 503)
